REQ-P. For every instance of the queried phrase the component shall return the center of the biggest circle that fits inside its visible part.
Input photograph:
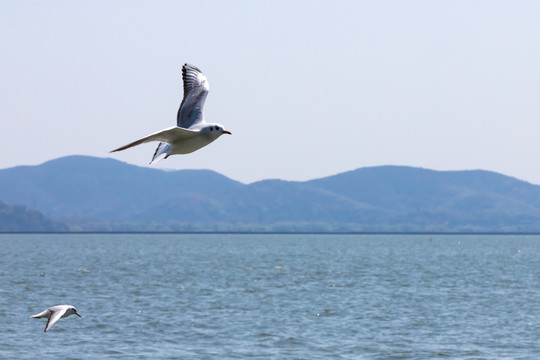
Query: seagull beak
(226, 132)
(77, 314)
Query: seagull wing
(168, 135)
(195, 91)
(56, 314)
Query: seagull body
(191, 132)
(55, 313)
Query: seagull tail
(162, 152)
(40, 315)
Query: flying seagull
(55, 313)
(191, 132)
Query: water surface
(271, 296)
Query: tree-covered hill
(19, 219)
(100, 194)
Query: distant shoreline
(258, 233)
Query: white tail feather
(162, 151)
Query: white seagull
(55, 313)
(191, 132)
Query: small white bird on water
(55, 313)
(191, 132)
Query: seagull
(191, 132)
(55, 313)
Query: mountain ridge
(103, 194)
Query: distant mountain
(83, 187)
(107, 195)
(19, 219)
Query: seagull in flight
(55, 313)
(191, 132)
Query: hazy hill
(101, 189)
(19, 219)
(106, 194)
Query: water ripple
(272, 296)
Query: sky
(307, 88)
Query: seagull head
(215, 130)
(73, 311)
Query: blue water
(271, 296)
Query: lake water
(202, 296)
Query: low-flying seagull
(191, 132)
(55, 313)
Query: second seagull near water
(191, 132)
(55, 313)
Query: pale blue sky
(308, 88)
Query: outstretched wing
(167, 135)
(55, 316)
(195, 91)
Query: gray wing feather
(167, 135)
(195, 91)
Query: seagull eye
(217, 128)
